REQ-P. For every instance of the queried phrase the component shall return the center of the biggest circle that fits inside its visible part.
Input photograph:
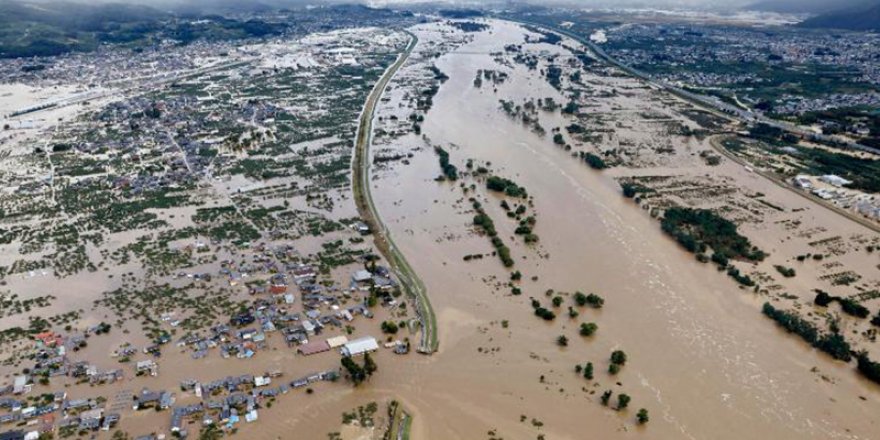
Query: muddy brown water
(702, 359)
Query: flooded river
(702, 359)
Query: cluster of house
(79, 414)
(799, 104)
(51, 359)
(378, 277)
(272, 310)
(242, 337)
(246, 392)
(267, 261)
(850, 51)
(806, 183)
(835, 191)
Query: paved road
(410, 281)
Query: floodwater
(702, 359)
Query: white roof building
(21, 385)
(362, 275)
(835, 180)
(308, 327)
(360, 346)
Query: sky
(815, 6)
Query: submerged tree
(355, 371)
(370, 366)
(606, 396)
(588, 328)
(588, 371)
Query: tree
(389, 327)
(622, 401)
(869, 368)
(613, 369)
(595, 161)
(355, 371)
(588, 328)
(823, 298)
(595, 301)
(211, 432)
(547, 315)
(618, 357)
(370, 366)
(606, 396)
(588, 371)
(642, 416)
(562, 341)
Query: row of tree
(484, 222)
(449, 170)
(832, 343)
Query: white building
(362, 276)
(835, 180)
(360, 346)
(21, 385)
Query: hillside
(803, 6)
(862, 18)
(33, 29)
(30, 29)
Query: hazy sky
(597, 3)
(724, 5)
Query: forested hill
(804, 6)
(52, 28)
(861, 18)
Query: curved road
(412, 284)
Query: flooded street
(702, 359)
